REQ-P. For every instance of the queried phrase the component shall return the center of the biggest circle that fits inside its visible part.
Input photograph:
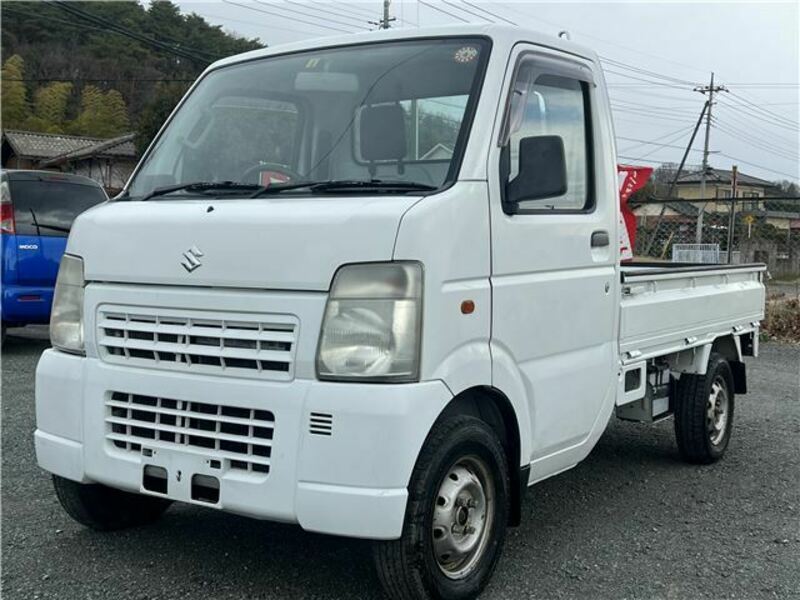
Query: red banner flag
(630, 180)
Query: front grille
(238, 345)
(241, 436)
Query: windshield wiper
(201, 186)
(337, 185)
(53, 227)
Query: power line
(647, 81)
(469, 12)
(361, 22)
(100, 79)
(641, 71)
(746, 128)
(274, 14)
(645, 142)
(672, 134)
(644, 113)
(488, 12)
(305, 14)
(794, 176)
(306, 31)
(756, 142)
(76, 12)
(441, 10)
(764, 111)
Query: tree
(14, 94)
(50, 108)
(101, 114)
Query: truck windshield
(384, 112)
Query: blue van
(37, 209)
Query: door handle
(600, 239)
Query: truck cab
(370, 285)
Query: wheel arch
(493, 407)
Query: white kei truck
(371, 285)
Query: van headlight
(372, 323)
(66, 318)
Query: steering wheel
(278, 169)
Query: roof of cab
(510, 35)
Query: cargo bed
(669, 307)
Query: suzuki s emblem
(191, 259)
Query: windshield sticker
(465, 54)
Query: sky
(655, 52)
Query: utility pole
(710, 89)
(675, 179)
(386, 19)
(732, 220)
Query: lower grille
(241, 436)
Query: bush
(782, 321)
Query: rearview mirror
(542, 171)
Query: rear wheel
(104, 508)
(704, 412)
(456, 516)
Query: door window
(545, 104)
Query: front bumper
(350, 482)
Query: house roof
(722, 176)
(684, 208)
(48, 146)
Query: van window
(49, 207)
(554, 105)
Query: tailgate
(44, 207)
(668, 309)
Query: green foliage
(14, 101)
(131, 75)
(102, 114)
(50, 107)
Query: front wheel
(704, 412)
(456, 516)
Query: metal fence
(770, 234)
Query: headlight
(371, 329)
(66, 319)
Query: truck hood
(285, 243)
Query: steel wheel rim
(463, 516)
(717, 411)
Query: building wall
(110, 173)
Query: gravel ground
(631, 521)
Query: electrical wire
(488, 12)
(76, 12)
(441, 10)
(466, 10)
(274, 14)
(794, 176)
(756, 108)
(312, 16)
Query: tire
(458, 452)
(106, 509)
(702, 431)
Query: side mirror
(542, 171)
